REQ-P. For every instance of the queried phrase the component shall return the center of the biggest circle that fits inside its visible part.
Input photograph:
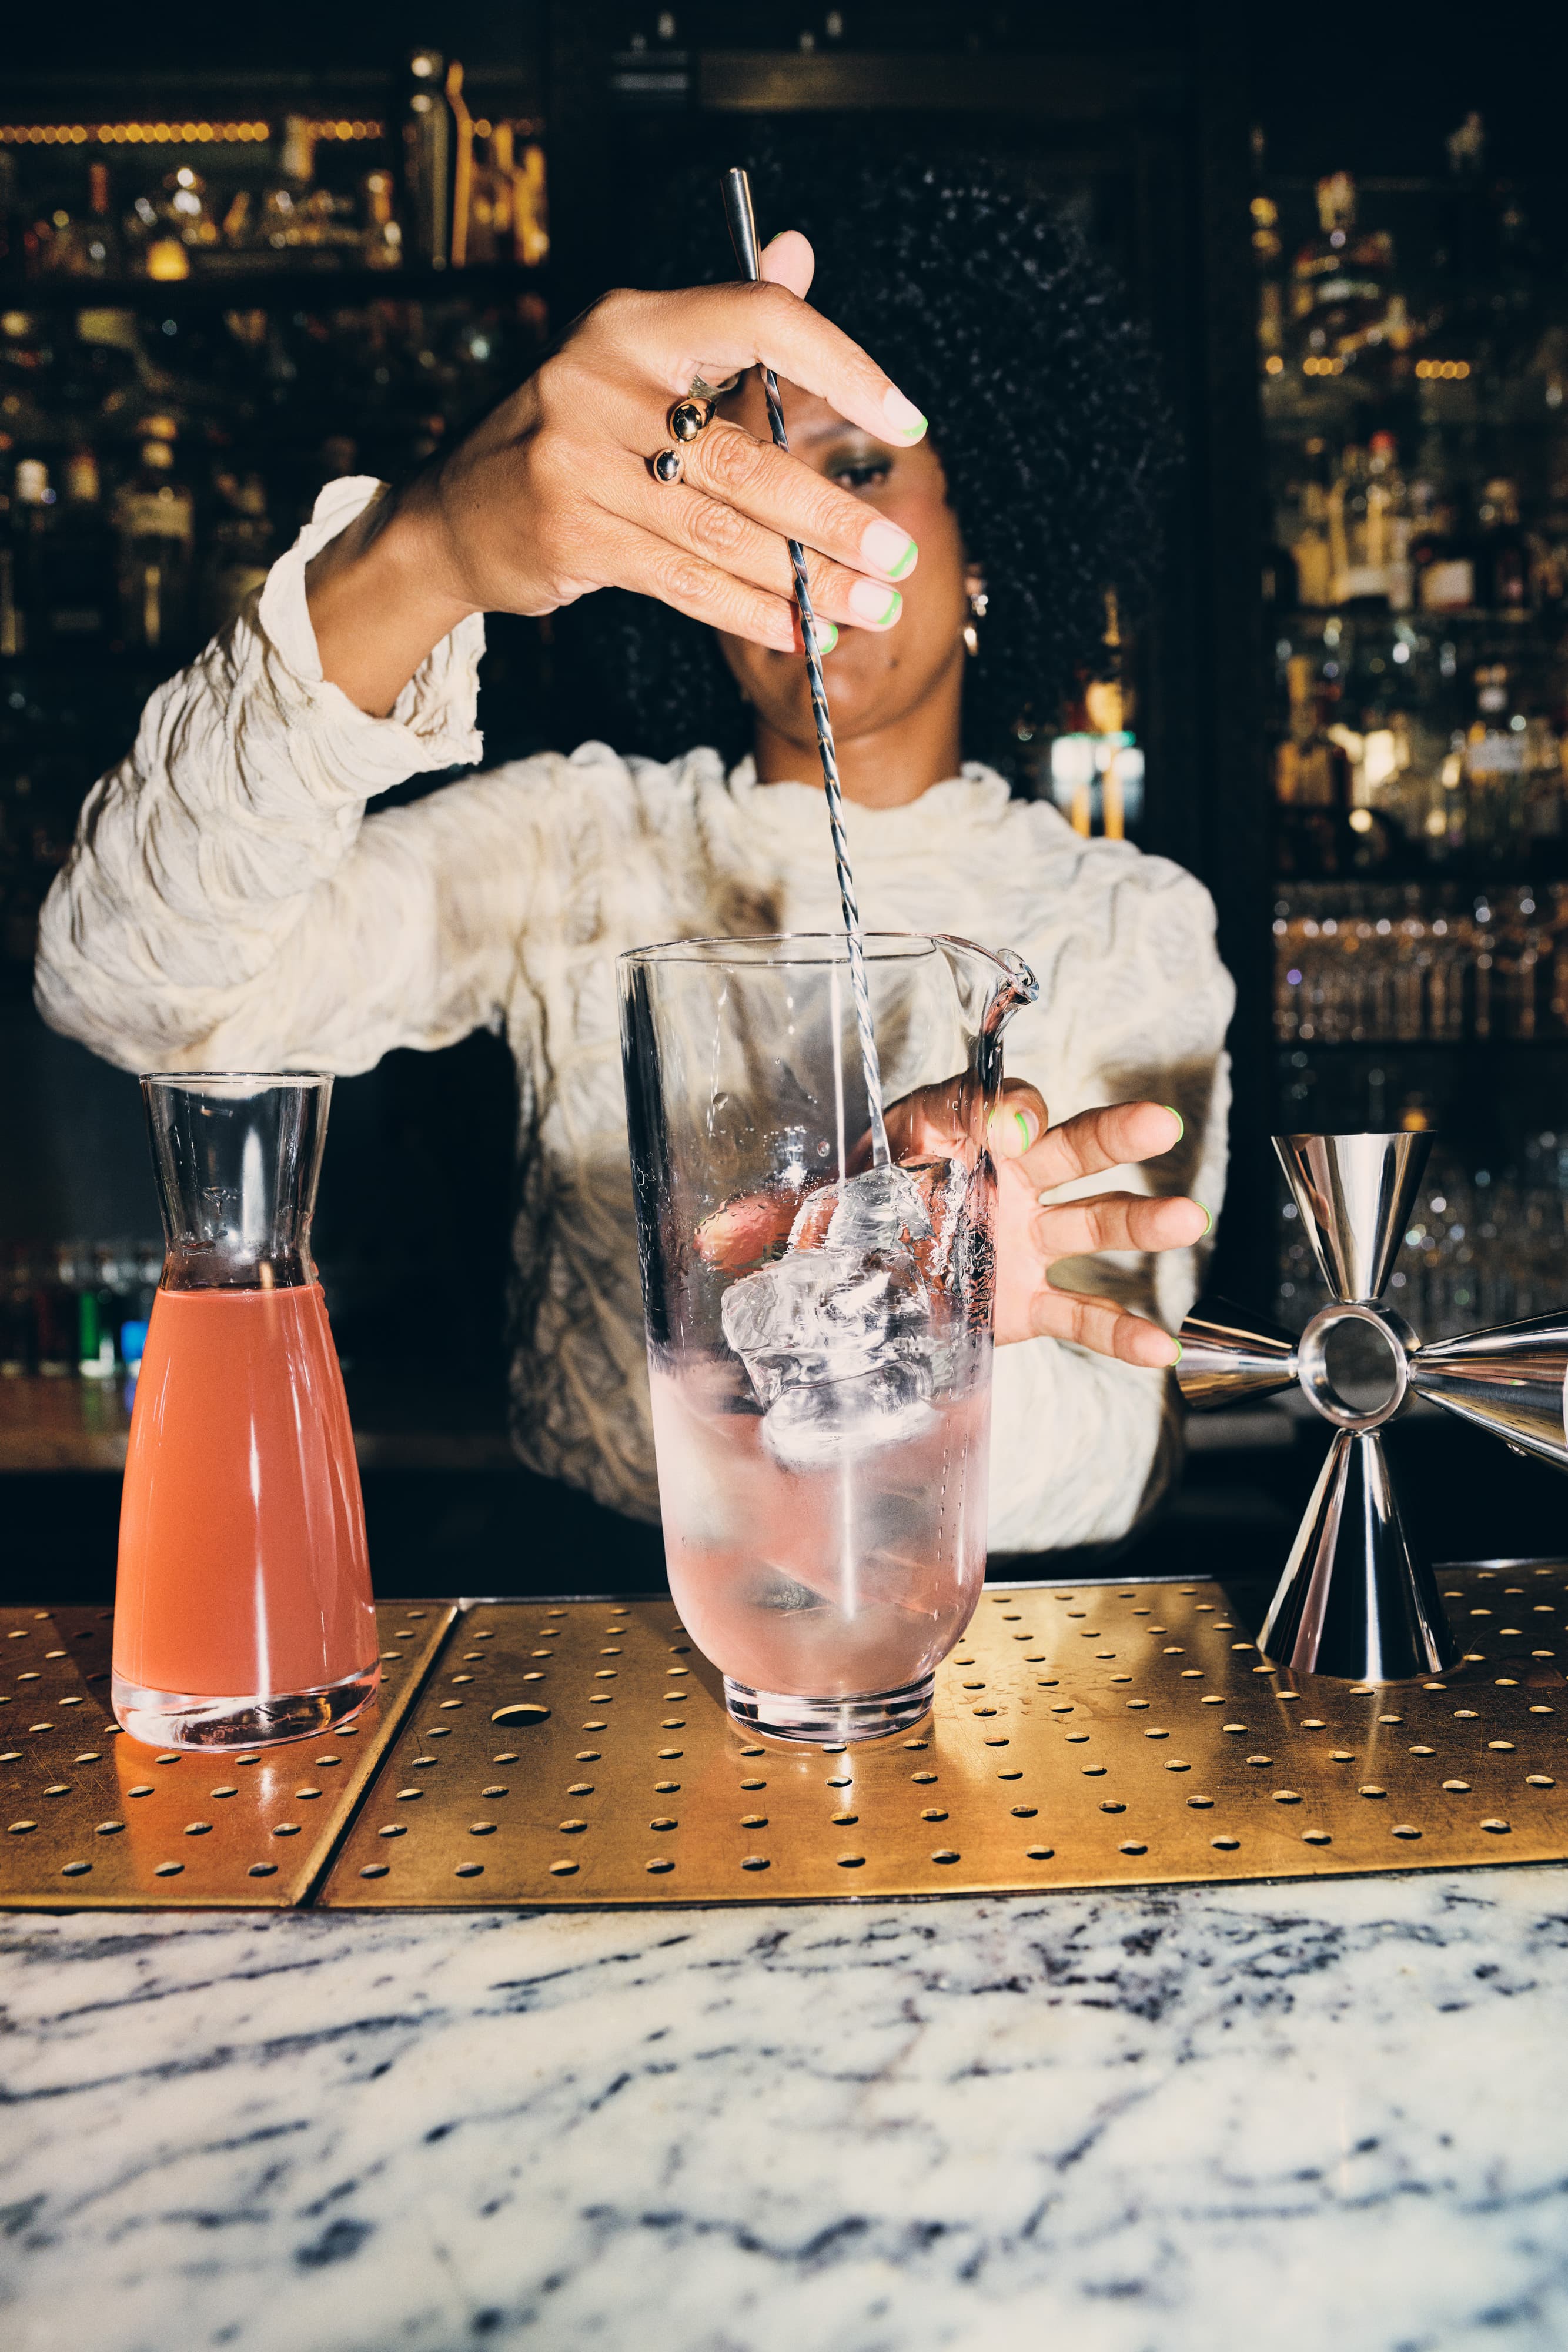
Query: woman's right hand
(553, 494)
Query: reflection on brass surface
(92, 1820)
(1087, 1735)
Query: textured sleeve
(227, 900)
(1134, 1003)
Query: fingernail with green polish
(1181, 1123)
(1180, 1352)
(1025, 1129)
(905, 419)
(876, 604)
(1208, 1222)
(827, 636)
(891, 549)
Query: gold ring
(687, 418)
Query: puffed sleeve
(1134, 1003)
(228, 903)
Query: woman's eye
(861, 473)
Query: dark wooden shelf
(264, 289)
(1474, 616)
(1421, 1045)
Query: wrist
(380, 600)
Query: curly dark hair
(989, 309)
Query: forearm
(380, 601)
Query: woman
(229, 903)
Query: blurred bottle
(1494, 755)
(18, 1337)
(1281, 584)
(1309, 549)
(154, 522)
(1442, 560)
(1357, 536)
(85, 244)
(238, 551)
(382, 230)
(1502, 561)
(72, 599)
(31, 523)
(1339, 279)
(165, 230)
(55, 1321)
(428, 158)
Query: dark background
(1153, 120)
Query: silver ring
(710, 392)
(666, 465)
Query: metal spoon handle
(743, 236)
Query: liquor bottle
(154, 524)
(1357, 567)
(1442, 562)
(238, 548)
(1281, 587)
(32, 518)
(530, 208)
(1311, 779)
(1388, 521)
(1502, 567)
(427, 158)
(1543, 757)
(382, 230)
(1309, 548)
(72, 596)
(1339, 277)
(1494, 751)
(84, 245)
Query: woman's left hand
(1032, 1157)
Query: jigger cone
(1512, 1380)
(1223, 1360)
(1353, 1601)
(1355, 1193)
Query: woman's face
(876, 678)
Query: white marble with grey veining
(1327, 2115)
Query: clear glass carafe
(819, 1330)
(242, 1605)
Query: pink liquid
(243, 1570)
(839, 1583)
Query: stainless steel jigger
(1353, 1601)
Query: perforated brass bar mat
(91, 1819)
(580, 1754)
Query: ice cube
(816, 1423)
(826, 1314)
(880, 1210)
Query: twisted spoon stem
(743, 230)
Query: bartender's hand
(1032, 1157)
(553, 495)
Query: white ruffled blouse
(230, 903)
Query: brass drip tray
(92, 1820)
(578, 1753)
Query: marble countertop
(1305, 2115)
